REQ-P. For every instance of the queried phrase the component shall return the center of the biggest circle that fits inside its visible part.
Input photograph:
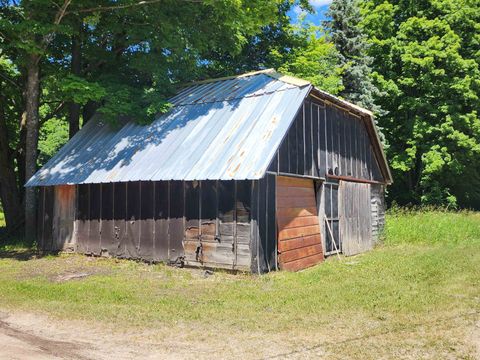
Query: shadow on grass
(15, 246)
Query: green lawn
(418, 292)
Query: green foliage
(299, 50)
(351, 43)
(432, 226)
(316, 62)
(53, 134)
(427, 65)
(79, 90)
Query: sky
(320, 6)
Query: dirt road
(34, 336)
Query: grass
(417, 293)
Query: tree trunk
(73, 108)
(32, 102)
(9, 193)
(89, 110)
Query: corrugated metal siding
(222, 130)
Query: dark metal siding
(325, 140)
(264, 228)
(199, 222)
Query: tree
(113, 57)
(300, 50)
(427, 64)
(352, 46)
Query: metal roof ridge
(232, 98)
(269, 72)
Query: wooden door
(299, 240)
(355, 217)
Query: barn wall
(324, 140)
(45, 218)
(205, 223)
(263, 225)
(378, 207)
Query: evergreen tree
(351, 43)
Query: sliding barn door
(299, 241)
(355, 217)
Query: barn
(256, 173)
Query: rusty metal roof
(223, 129)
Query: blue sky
(320, 6)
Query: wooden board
(355, 217)
(63, 217)
(299, 239)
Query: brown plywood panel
(296, 191)
(296, 243)
(303, 263)
(299, 239)
(64, 216)
(289, 202)
(300, 253)
(286, 181)
(285, 222)
(285, 234)
(296, 212)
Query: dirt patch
(18, 344)
(34, 336)
(68, 277)
(475, 339)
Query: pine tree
(343, 27)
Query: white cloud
(298, 10)
(318, 3)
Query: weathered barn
(256, 172)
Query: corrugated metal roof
(226, 129)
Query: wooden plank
(287, 181)
(288, 191)
(303, 263)
(299, 239)
(296, 243)
(285, 234)
(300, 253)
(295, 202)
(63, 216)
(296, 211)
(287, 222)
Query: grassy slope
(418, 293)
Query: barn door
(299, 240)
(355, 217)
